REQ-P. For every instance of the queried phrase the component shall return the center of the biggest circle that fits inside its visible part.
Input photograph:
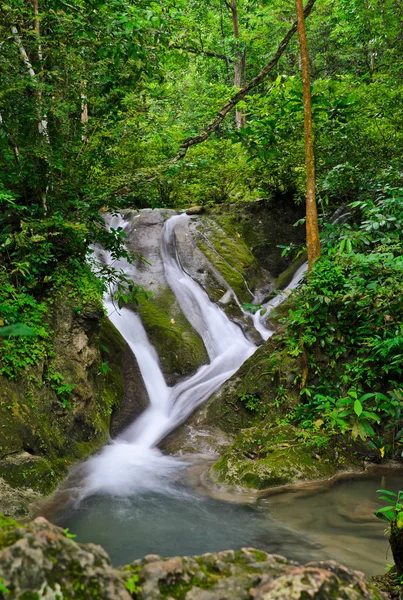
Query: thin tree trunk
(229, 105)
(312, 229)
(13, 147)
(239, 65)
(42, 117)
(84, 112)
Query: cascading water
(130, 497)
(258, 319)
(131, 463)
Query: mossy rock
(42, 432)
(39, 560)
(230, 255)
(286, 276)
(266, 457)
(264, 225)
(179, 347)
(33, 472)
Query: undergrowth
(346, 323)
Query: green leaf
(387, 493)
(357, 408)
(389, 516)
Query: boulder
(195, 210)
(40, 560)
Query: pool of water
(335, 522)
(180, 523)
(341, 519)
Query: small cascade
(259, 319)
(132, 463)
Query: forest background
(96, 101)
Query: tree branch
(229, 105)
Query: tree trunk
(42, 117)
(84, 111)
(312, 229)
(239, 66)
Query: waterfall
(132, 463)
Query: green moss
(32, 415)
(269, 376)
(179, 346)
(9, 532)
(39, 474)
(264, 457)
(178, 589)
(230, 256)
(259, 555)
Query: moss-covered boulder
(40, 560)
(179, 347)
(58, 411)
(267, 457)
(265, 226)
(230, 255)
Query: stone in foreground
(39, 560)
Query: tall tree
(239, 63)
(312, 229)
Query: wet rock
(247, 574)
(44, 431)
(39, 558)
(180, 348)
(17, 503)
(267, 457)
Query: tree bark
(312, 228)
(42, 117)
(14, 148)
(239, 65)
(228, 106)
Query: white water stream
(131, 463)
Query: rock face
(39, 560)
(43, 432)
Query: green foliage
(252, 308)
(3, 588)
(69, 535)
(251, 402)
(60, 387)
(132, 584)
(18, 329)
(392, 513)
(346, 321)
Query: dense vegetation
(96, 101)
